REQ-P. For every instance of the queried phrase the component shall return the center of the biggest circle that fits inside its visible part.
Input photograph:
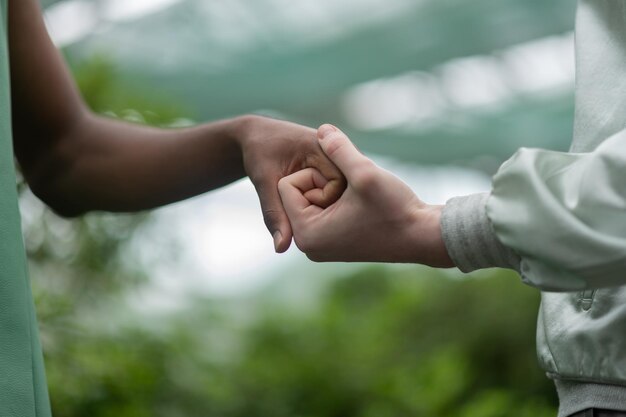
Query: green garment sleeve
(563, 215)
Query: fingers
(293, 191)
(326, 191)
(274, 216)
(316, 197)
(336, 181)
(340, 150)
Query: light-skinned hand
(377, 219)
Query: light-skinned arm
(555, 217)
(76, 161)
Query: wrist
(426, 239)
(242, 128)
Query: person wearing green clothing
(557, 218)
(76, 161)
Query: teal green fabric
(23, 390)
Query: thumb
(274, 216)
(340, 150)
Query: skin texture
(377, 219)
(76, 161)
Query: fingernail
(325, 130)
(277, 238)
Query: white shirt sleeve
(557, 218)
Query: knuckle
(283, 184)
(334, 146)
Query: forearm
(76, 161)
(104, 164)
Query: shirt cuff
(469, 237)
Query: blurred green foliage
(380, 342)
(100, 85)
(376, 343)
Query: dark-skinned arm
(76, 161)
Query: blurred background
(186, 310)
